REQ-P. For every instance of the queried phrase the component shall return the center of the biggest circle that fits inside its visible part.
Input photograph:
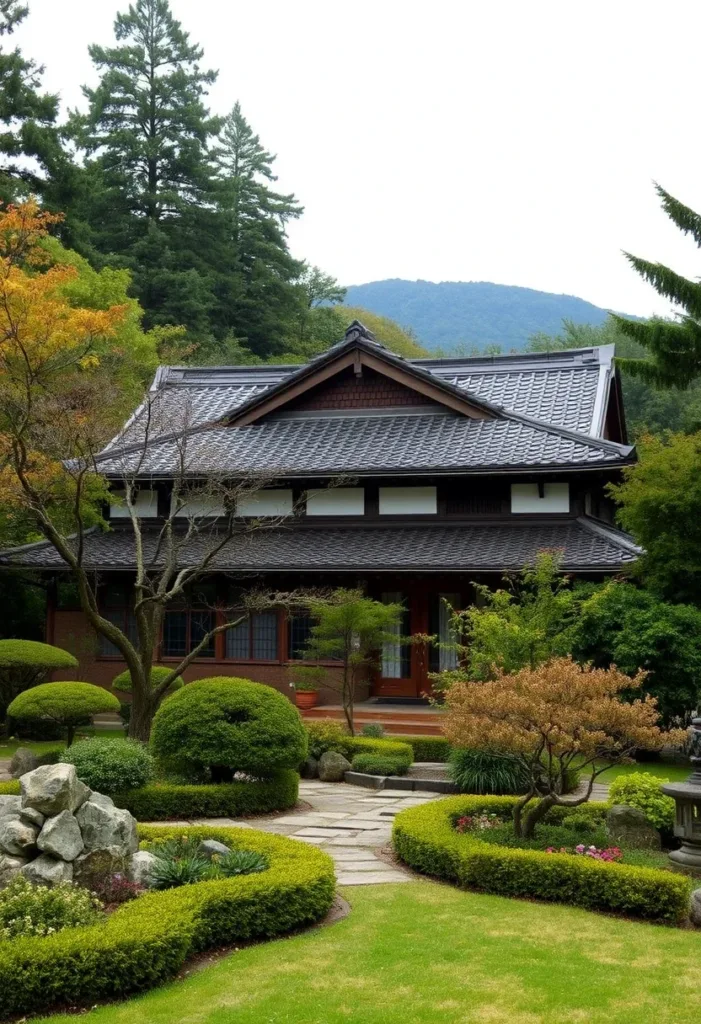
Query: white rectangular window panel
(145, 504)
(337, 501)
(265, 503)
(526, 498)
(401, 501)
(202, 506)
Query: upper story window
(336, 501)
(401, 501)
(546, 498)
(272, 502)
(145, 504)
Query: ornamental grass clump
(551, 718)
(27, 909)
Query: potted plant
(307, 680)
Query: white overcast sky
(504, 141)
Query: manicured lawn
(8, 747)
(424, 953)
(663, 770)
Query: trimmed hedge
(381, 764)
(353, 745)
(160, 801)
(424, 837)
(428, 748)
(146, 942)
(32, 653)
(159, 673)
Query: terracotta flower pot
(306, 699)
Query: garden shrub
(27, 909)
(162, 800)
(644, 791)
(428, 748)
(68, 704)
(159, 673)
(325, 734)
(226, 725)
(146, 941)
(425, 838)
(179, 862)
(374, 730)
(353, 745)
(381, 764)
(479, 771)
(111, 765)
(25, 663)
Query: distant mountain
(467, 314)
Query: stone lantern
(687, 797)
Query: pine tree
(674, 346)
(32, 159)
(146, 135)
(258, 295)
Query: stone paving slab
(372, 877)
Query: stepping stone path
(350, 823)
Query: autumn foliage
(553, 718)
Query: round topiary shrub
(225, 725)
(111, 766)
(24, 663)
(68, 704)
(158, 675)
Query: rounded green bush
(158, 674)
(225, 725)
(425, 838)
(69, 704)
(34, 654)
(146, 941)
(379, 764)
(644, 791)
(111, 766)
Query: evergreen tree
(32, 159)
(674, 346)
(146, 134)
(258, 298)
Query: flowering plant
(115, 889)
(478, 822)
(27, 909)
(611, 853)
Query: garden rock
(89, 868)
(31, 816)
(17, 837)
(61, 837)
(53, 788)
(140, 869)
(628, 826)
(9, 867)
(695, 908)
(310, 768)
(333, 766)
(105, 826)
(47, 870)
(23, 760)
(10, 805)
(211, 848)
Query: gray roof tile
(469, 547)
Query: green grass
(662, 769)
(8, 747)
(425, 953)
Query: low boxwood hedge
(424, 837)
(353, 745)
(428, 748)
(162, 800)
(146, 942)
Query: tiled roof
(367, 444)
(564, 389)
(583, 544)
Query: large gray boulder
(104, 826)
(17, 837)
(23, 760)
(61, 837)
(333, 766)
(628, 826)
(90, 868)
(31, 816)
(310, 768)
(53, 788)
(10, 805)
(695, 908)
(9, 867)
(140, 868)
(47, 870)
(209, 848)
